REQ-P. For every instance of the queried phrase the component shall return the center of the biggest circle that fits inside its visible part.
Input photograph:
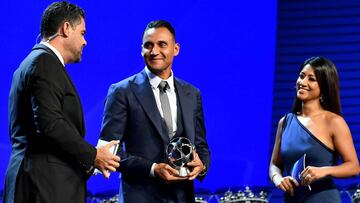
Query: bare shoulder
(334, 120)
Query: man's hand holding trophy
(183, 162)
(179, 153)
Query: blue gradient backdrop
(227, 51)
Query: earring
(321, 99)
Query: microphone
(37, 38)
(53, 37)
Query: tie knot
(163, 86)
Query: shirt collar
(57, 53)
(155, 80)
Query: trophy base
(183, 171)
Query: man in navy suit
(136, 114)
(50, 160)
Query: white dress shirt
(170, 92)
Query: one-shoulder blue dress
(296, 141)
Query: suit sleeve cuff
(152, 173)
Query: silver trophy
(179, 153)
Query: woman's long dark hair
(328, 80)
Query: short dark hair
(161, 23)
(328, 80)
(56, 14)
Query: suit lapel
(187, 112)
(143, 92)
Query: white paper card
(112, 149)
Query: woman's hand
(286, 184)
(311, 174)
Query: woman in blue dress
(315, 133)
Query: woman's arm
(286, 184)
(344, 145)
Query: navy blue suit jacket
(49, 154)
(131, 115)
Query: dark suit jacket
(131, 115)
(49, 154)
